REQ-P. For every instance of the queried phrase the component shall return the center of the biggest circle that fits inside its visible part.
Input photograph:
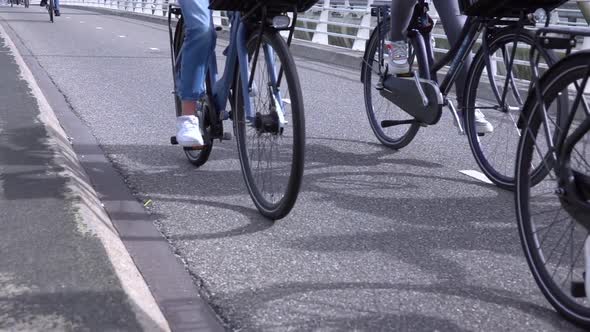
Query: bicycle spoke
(510, 78)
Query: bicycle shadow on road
(170, 178)
(344, 316)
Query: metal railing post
(217, 19)
(364, 30)
(320, 34)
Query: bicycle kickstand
(456, 117)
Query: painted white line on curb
(93, 218)
(476, 175)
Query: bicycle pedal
(173, 140)
(578, 289)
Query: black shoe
(43, 3)
(57, 13)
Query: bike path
(379, 240)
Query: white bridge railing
(338, 23)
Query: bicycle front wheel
(498, 94)
(552, 238)
(271, 143)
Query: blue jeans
(196, 49)
(56, 4)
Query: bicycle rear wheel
(378, 108)
(552, 238)
(195, 157)
(271, 145)
(494, 151)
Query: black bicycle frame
(458, 54)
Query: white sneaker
(188, 131)
(397, 52)
(482, 125)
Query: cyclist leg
(453, 22)
(396, 46)
(198, 39)
(56, 10)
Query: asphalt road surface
(378, 240)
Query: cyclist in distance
(198, 41)
(55, 3)
(397, 47)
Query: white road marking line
(98, 28)
(122, 36)
(477, 175)
(68, 17)
(154, 49)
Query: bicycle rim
(271, 158)
(494, 152)
(553, 242)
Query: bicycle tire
(258, 191)
(501, 174)
(196, 157)
(407, 132)
(552, 83)
(50, 9)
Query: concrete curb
(170, 284)
(89, 211)
(299, 48)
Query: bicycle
(553, 211)
(496, 81)
(268, 117)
